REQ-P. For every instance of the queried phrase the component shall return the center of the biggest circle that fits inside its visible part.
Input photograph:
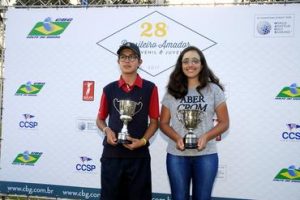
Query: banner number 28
(154, 29)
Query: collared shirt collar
(138, 82)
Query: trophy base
(190, 146)
(190, 141)
(124, 142)
(122, 137)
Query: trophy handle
(141, 106)
(179, 115)
(116, 100)
(201, 115)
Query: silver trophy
(190, 118)
(126, 109)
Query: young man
(126, 167)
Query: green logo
(49, 28)
(290, 174)
(27, 158)
(29, 89)
(290, 92)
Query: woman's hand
(202, 141)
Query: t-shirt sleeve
(166, 101)
(219, 95)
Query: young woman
(192, 85)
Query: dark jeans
(126, 179)
(201, 170)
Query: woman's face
(191, 64)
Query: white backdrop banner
(57, 62)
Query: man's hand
(111, 137)
(135, 143)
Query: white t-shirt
(211, 96)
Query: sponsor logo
(30, 89)
(222, 172)
(85, 165)
(86, 125)
(49, 28)
(291, 92)
(290, 174)
(27, 158)
(263, 27)
(28, 123)
(293, 133)
(274, 25)
(88, 90)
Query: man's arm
(110, 134)
(152, 128)
(101, 123)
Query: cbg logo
(27, 158)
(28, 123)
(290, 174)
(291, 92)
(49, 28)
(293, 134)
(30, 89)
(84, 166)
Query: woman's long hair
(178, 82)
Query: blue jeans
(201, 170)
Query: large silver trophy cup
(190, 118)
(126, 109)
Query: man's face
(129, 62)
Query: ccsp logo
(85, 165)
(293, 134)
(28, 122)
